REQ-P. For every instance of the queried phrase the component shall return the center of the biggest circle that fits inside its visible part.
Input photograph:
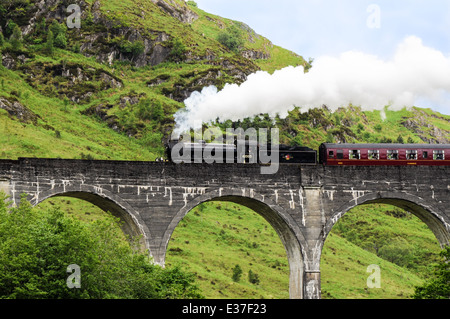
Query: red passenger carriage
(385, 154)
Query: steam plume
(415, 72)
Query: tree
(2, 39)
(253, 278)
(178, 51)
(439, 286)
(10, 26)
(232, 38)
(237, 273)
(16, 38)
(61, 41)
(37, 246)
(57, 28)
(192, 3)
(49, 44)
(59, 34)
(41, 27)
(135, 48)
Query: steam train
(328, 154)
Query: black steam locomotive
(329, 154)
(242, 151)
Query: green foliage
(237, 273)
(2, 39)
(41, 27)
(36, 247)
(16, 39)
(178, 51)
(134, 48)
(49, 46)
(438, 287)
(150, 110)
(61, 41)
(58, 28)
(378, 128)
(10, 26)
(253, 278)
(192, 3)
(232, 38)
(56, 35)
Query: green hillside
(109, 90)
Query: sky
(317, 28)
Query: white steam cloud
(415, 72)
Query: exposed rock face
(219, 74)
(106, 41)
(255, 55)
(422, 126)
(71, 80)
(17, 110)
(176, 10)
(11, 60)
(100, 45)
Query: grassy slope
(79, 134)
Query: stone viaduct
(302, 203)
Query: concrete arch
(132, 223)
(286, 228)
(432, 216)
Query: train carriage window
(438, 155)
(331, 154)
(355, 154)
(374, 154)
(340, 154)
(411, 155)
(425, 155)
(392, 155)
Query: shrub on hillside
(438, 287)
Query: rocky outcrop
(11, 60)
(423, 128)
(177, 10)
(154, 51)
(255, 55)
(101, 111)
(221, 72)
(69, 80)
(17, 110)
